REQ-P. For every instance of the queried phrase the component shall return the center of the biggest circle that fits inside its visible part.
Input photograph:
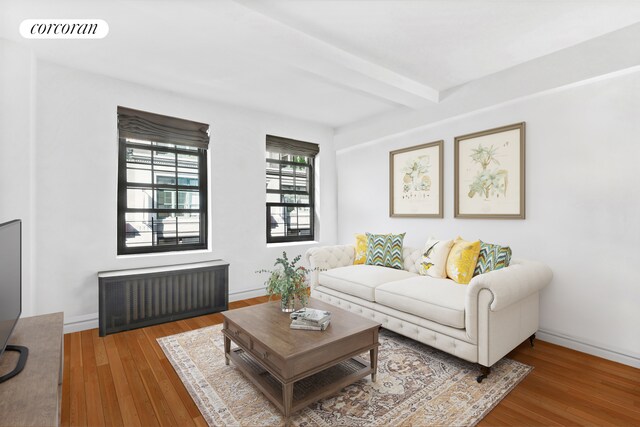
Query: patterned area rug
(416, 385)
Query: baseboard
(80, 323)
(583, 345)
(246, 294)
(90, 321)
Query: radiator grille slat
(132, 299)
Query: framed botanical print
(489, 173)
(415, 181)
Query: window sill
(285, 244)
(160, 254)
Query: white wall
(58, 172)
(17, 71)
(583, 206)
(76, 185)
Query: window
(290, 191)
(162, 183)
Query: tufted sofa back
(411, 255)
(328, 257)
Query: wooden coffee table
(294, 368)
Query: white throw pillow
(434, 258)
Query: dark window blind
(136, 124)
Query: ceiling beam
(608, 56)
(334, 64)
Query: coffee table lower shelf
(306, 390)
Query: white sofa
(480, 322)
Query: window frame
(311, 194)
(124, 185)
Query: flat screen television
(11, 290)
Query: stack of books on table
(310, 319)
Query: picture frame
(489, 173)
(416, 181)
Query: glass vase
(288, 305)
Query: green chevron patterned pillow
(492, 257)
(385, 250)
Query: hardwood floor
(124, 380)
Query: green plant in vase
(287, 280)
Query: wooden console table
(31, 398)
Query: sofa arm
(508, 285)
(327, 257)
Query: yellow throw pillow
(462, 260)
(361, 249)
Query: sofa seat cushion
(360, 280)
(438, 300)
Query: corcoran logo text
(64, 28)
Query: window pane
(165, 199)
(188, 161)
(286, 169)
(139, 174)
(142, 229)
(165, 179)
(188, 228)
(287, 182)
(299, 221)
(164, 175)
(277, 220)
(189, 179)
(138, 229)
(302, 184)
(147, 229)
(179, 229)
(139, 198)
(162, 158)
(166, 231)
(290, 221)
(188, 200)
(138, 155)
(164, 169)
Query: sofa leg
(485, 371)
(531, 338)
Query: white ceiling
(331, 62)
